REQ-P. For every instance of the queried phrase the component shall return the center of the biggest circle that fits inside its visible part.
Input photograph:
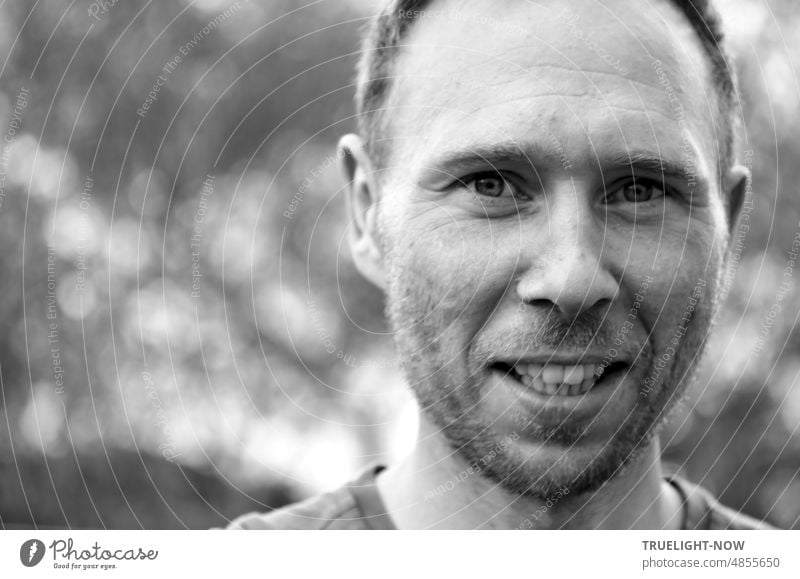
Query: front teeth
(558, 379)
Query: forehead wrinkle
(447, 127)
(463, 99)
(565, 63)
(452, 75)
(495, 65)
(447, 94)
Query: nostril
(602, 303)
(569, 286)
(539, 303)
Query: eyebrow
(495, 154)
(502, 154)
(643, 161)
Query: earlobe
(736, 188)
(362, 195)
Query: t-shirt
(358, 505)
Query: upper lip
(560, 358)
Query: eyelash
(639, 182)
(470, 180)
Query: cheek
(684, 271)
(448, 275)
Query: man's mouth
(559, 379)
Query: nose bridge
(567, 270)
(567, 221)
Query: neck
(434, 488)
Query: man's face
(553, 229)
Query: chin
(546, 469)
(541, 448)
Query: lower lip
(555, 409)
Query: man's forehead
(612, 68)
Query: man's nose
(567, 272)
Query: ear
(362, 195)
(736, 187)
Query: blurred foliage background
(185, 337)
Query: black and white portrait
(400, 264)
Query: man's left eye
(639, 191)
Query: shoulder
(722, 517)
(704, 511)
(355, 506)
(332, 510)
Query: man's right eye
(490, 184)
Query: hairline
(391, 25)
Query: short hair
(387, 29)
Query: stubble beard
(452, 404)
